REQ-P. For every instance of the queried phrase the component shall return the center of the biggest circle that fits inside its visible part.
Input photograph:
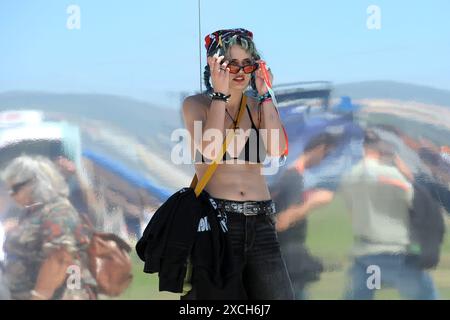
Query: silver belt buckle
(273, 208)
(248, 213)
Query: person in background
(4, 291)
(81, 196)
(133, 211)
(49, 240)
(438, 182)
(114, 217)
(288, 195)
(379, 196)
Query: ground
(330, 238)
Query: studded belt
(247, 208)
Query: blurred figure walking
(288, 195)
(379, 198)
(46, 252)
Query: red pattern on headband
(212, 40)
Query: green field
(330, 238)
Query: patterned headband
(215, 40)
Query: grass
(330, 238)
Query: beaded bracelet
(220, 96)
(266, 100)
(264, 97)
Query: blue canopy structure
(127, 174)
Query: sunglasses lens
(249, 69)
(16, 188)
(13, 190)
(233, 69)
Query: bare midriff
(238, 181)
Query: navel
(242, 193)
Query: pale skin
(231, 180)
(295, 213)
(52, 272)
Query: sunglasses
(16, 187)
(248, 68)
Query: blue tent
(132, 177)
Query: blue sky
(149, 49)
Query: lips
(239, 79)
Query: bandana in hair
(215, 40)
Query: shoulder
(61, 209)
(354, 174)
(195, 102)
(195, 107)
(390, 171)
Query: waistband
(247, 208)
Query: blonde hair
(46, 180)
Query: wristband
(220, 96)
(266, 100)
(264, 97)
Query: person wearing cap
(378, 193)
(238, 186)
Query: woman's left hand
(259, 79)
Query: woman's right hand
(220, 74)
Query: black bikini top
(250, 153)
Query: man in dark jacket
(438, 182)
(287, 194)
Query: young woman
(238, 186)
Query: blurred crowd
(397, 193)
(396, 209)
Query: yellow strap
(213, 166)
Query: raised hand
(259, 80)
(220, 74)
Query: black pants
(257, 253)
